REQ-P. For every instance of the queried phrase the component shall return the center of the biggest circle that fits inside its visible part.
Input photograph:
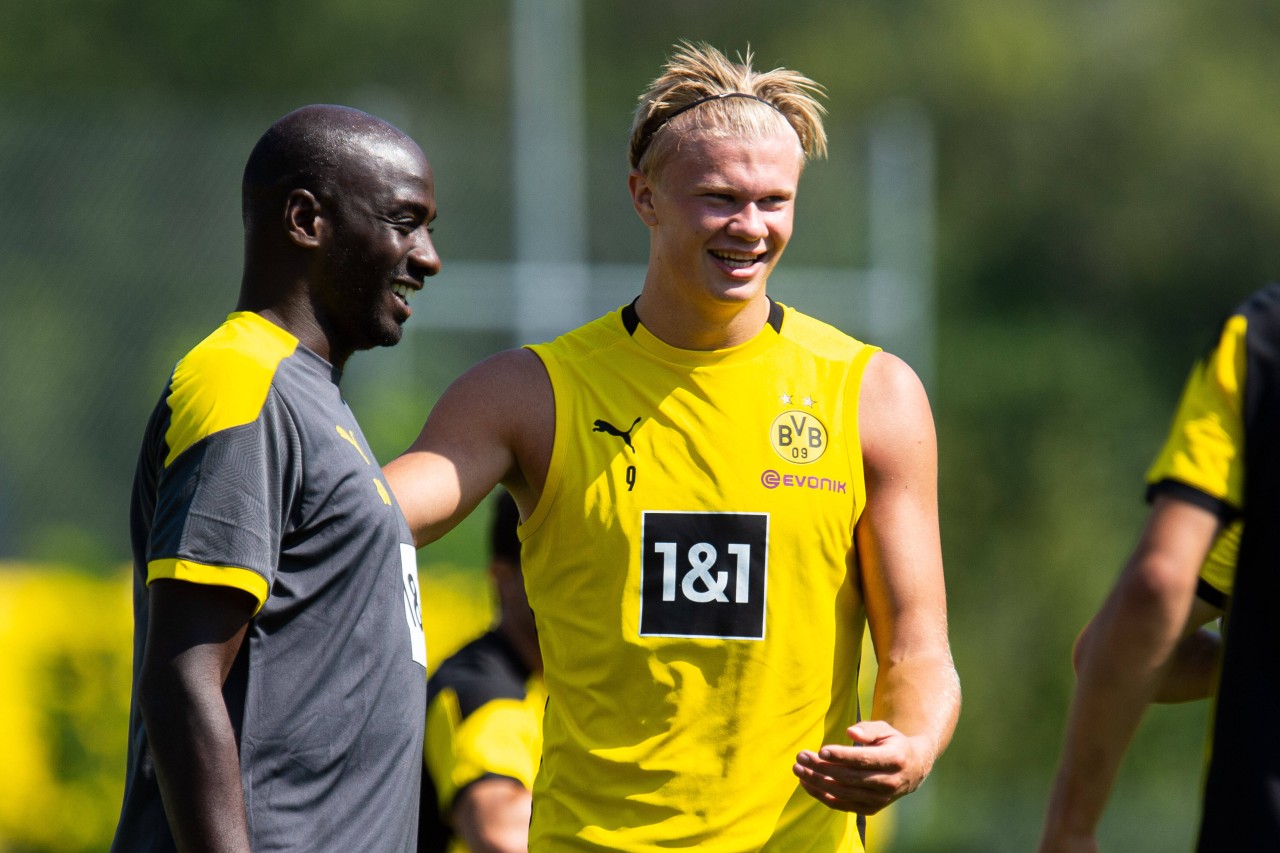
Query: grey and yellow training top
(253, 474)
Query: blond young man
(717, 493)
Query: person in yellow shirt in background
(1211, 545)
(484, 719)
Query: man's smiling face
(721, 213)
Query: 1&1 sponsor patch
(704, 574)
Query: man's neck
(700, 327)
(303, 325)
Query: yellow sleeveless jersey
(692, 571)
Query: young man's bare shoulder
(893, 405)
(518, 373)
(890, 383)
(508, 397)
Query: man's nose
(748, 223)
(424, 260)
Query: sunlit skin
(380, 248)
(720, 214)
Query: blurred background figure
(484, 718)
(1195, 557)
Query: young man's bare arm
(494, 424)
(917, 696)
(1125, 657)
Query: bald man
(279, 664)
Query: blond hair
(698, 75)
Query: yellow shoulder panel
(504, 736)
(1203, 449)
(223, 382)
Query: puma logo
(351, 437)
(605, 426)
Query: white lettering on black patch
(703, 574)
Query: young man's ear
(304, 219)
(642, 197)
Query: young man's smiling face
(720, 212)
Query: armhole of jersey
(555, 465)
(235, 577)
(853, 436)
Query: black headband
(647, 137)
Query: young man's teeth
(401, 290)
(737, 260)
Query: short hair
(504, 542)
(698, 75)
(309, 149)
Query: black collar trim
(775, 316)
(630, 319)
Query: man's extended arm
(494, 424)
(193, 636)
(1125, 657)
(917, 695)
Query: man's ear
(642, 197)
(304, 219)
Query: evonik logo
(771, 479)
